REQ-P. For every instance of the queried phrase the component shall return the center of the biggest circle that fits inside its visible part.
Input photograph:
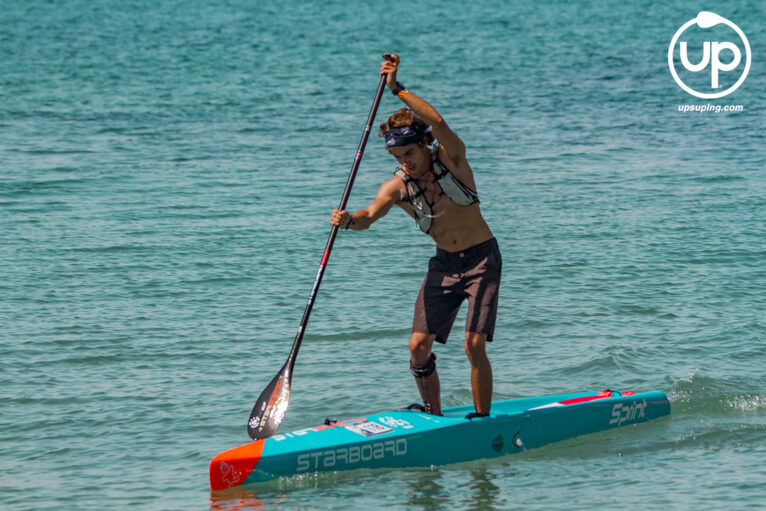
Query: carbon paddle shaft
(272, 404)
(334, 230)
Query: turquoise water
(168, 170)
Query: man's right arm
(388, 195)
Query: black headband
(405, 135)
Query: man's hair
(406, 117)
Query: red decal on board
(232, 467)
(601, 395)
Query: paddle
(271, 405)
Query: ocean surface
(167, 171)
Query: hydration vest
(450, 185)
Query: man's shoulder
(391, 188)
(394, 182)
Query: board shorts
(473, 274)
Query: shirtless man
(435, 186)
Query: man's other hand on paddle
(340, 218)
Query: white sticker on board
(369, 428)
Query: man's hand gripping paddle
(271, 405)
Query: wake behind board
(404, 438)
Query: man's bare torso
(453, 227)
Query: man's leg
(420, 353)
(481, 371)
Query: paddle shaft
(271, 405)
(334, 230)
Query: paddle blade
(270, 407)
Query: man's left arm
(447, 138)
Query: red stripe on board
(324, 258)
(601, 395)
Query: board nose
(232, 467)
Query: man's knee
(475, 344)
(420, 347)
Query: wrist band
(402, 93)
(398, 90)
(350, 223)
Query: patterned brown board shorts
(452, 277)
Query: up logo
(711, 57)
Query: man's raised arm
(447, 138)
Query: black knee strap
(421, 372)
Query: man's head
(407, 139)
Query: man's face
(414, 158)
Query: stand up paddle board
(409, 438)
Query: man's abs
(459, 227)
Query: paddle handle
(334, 230)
